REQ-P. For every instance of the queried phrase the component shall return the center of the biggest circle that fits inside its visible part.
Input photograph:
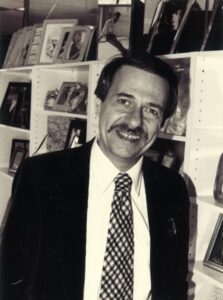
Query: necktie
(117, 273)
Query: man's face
(131, 115)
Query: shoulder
(167, 180)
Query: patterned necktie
(117, 273)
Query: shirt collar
(100, 163)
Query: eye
(124, 102)
(152, 113)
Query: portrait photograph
(113, 30)
(19, 151)
(76, 135)
(15, 107)
(72, 98)
(214, 254)
(77, 43)
(52, 30)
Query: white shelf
(14, 129)
(208, 274)
(4, 172)
(62, 114)
(168, 136)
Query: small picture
(72, 98)
(113, 30)
(50, 100)
(58, 57)
(52, 30)
(19, 151)
(214, 254)
(77, 43)
(15, 108)
(76, 135)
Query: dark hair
(117, 13)
(144, 61)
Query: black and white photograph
(15, 107)
(214, 254)
(76, 135)
(77, 44)
(113, 30)
(19, 151)
(72, 98)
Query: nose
(134, 118)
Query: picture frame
(19, 151)
(58, 56)
(52, 30)
(214, 255)
(72, 98)
(33, 51)
(15, 107)
(77, 44)
(76, 135)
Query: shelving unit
(199, 149)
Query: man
(60, 241)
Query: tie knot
(123, 182)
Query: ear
(98, 103)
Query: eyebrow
(132, 97)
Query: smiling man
(102, 221)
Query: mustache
(124, 127)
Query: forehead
(139, 82)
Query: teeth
(129, 136)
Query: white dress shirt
(100, 196)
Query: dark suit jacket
(43, 246)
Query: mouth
(128, 136)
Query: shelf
(4, 172)
(208, 274)
(62, 114)
(14, 129)
(208, 202)
(172, 137)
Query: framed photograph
(15, 108)
(77, 44)
(72, 98)
(52, 30)
(218, 184)
(58, 56)
(214, 254)
(50, 100)
(19, 151)
(113, 30)
(33, 51)
(76, 135)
